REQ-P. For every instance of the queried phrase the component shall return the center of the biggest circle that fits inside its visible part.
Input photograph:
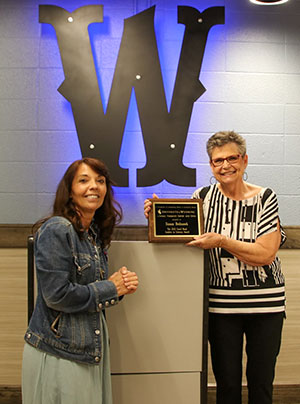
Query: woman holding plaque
(246, 296)
(66, 354)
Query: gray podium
(159, 335)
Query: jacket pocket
(84, 269)
(56, 325)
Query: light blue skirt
(47, 379)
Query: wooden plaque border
(154, 238)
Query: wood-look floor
(13, 320)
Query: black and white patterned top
(236, 287)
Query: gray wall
(251, 71)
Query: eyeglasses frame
(226, 158)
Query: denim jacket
(72, 291)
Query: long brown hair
(106, 217)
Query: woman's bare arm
(260, 253)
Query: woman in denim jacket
(66, 355)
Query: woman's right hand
(148, 206)
(125, 281)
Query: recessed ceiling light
(268, 2)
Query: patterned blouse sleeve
(269, 217)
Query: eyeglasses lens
(230, 159)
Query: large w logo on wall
(100, 134)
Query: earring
(212, 180)
(245, 176)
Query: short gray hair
(219, 139)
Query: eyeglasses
(230, 159)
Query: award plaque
(175, 220)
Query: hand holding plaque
(175, 220)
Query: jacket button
(97, 332)
(106, 304)
(100, 305)
(97, 359)
(112, 301)
(28, 335)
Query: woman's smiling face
(228, 172)
(88, 189)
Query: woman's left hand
(206, 240)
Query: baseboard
(10, 395)
(283, 394)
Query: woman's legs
(226, 343)
(263, 338)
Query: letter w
(138, 56)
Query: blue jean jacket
(72, 290)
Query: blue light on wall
(250, 71)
